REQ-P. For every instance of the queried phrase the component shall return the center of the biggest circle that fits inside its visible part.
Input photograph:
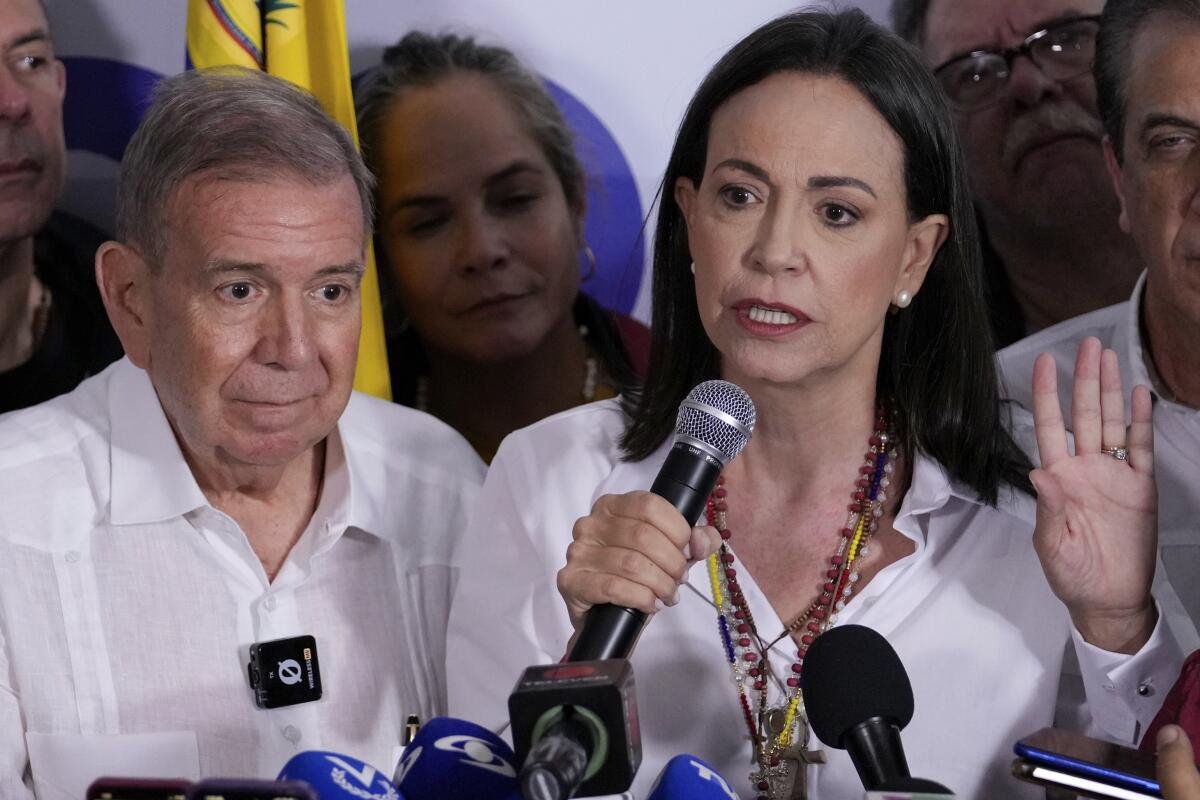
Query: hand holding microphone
(575, 726)
(631, 554)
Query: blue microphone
(688, 778)
(334, 776)
(452, 759)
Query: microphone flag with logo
(452, 759)
(686, 777)
(334, 776)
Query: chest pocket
(64, 765)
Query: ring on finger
(1119, 453)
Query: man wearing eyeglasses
(1018, 74)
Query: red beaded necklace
(773, 731)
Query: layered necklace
(780, 734)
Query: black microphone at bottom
(858, 698)
(575, 729)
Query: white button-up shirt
(128, 603)
(969, 612)
(1176, 444)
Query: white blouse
(969, 612)
(128, 603)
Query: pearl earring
(693, 267)
(903, 298)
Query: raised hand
(633, 550)
(1097, 512)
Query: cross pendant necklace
(789, 780)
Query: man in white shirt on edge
(221, 486)
(1147, 59)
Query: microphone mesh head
(852, 674)
(703, 425)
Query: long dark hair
(936, 362)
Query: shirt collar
(152, 482)
(932, 488)
(1140, 360)
(1131, 331)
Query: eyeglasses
(1061, 51)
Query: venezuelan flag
(303, 41)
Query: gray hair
(908, 19)
(235, 123)
(421, 60)
(1119, 25)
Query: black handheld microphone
(574, 725)
(858, 698)
(714, 425)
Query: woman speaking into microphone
(816, 245)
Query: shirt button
(1145, 690)
(292, 734)
(72, 556)
(270, 603)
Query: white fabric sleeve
(15, 778)
(1124, 692)
(506, 613)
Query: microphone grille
(852, 674)
(717, 414)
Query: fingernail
(1168, 735)
(687, 551)
(675, 599)
(659, 605)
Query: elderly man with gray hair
(221, 491)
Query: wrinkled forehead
(1161, 86)
(20, 19)
(955, 27)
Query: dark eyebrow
(1160, 120)
(36, 35)
(745, 166)
(515, 168)
(831, 181)
(423, 200)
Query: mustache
(1048, 121)
(18, 143)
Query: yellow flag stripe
(222, 33)
(305, 43)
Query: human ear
(123, 278)
(1118, 181)
(925, 238)
(685, 196)
(578, 210)
(60, 77)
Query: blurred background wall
(622, 70)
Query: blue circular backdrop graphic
(613, 227)
(106, 100)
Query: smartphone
(225, 789)
(136, 789)
(1089, 766)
